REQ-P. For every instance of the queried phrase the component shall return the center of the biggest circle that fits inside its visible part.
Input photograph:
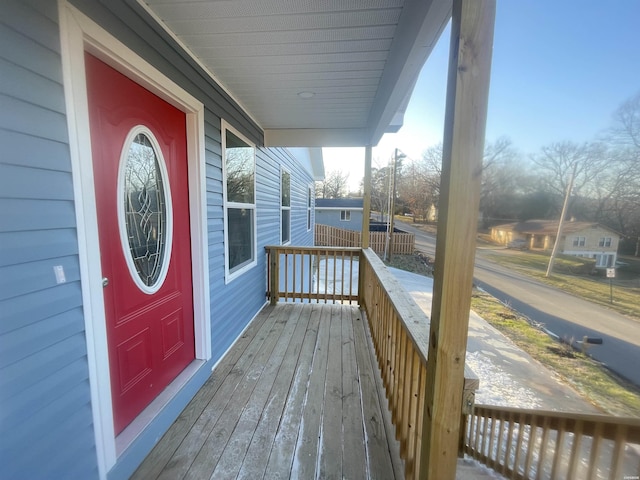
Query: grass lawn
(570, 274)
(593, 381)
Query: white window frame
(605, 242)
(283, 208)
(345, 215)
(579, 241)
(229, 274)
(602, 260)
(78, 34)
(309, 207)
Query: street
(564, 315)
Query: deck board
(306, 452)
(331, 442)
(354, 463)
(175, 443)
(257, 456)
(284, 445)
(295, 397)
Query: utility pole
(397, 156)
(556, 245)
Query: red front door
(139, 150)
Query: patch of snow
(497, 386)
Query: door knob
(105, 281)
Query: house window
(285, 207)
(604, 242)
(579, 241)
(605, 260)
(239, 166)
(345, 215)
(309, 207)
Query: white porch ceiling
(359, 58)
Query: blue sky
(560, 69)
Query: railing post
(361, 277)
(274, 259)
(468, 400)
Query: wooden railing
(400, 330)
(326, 235)
(520, 444)
(312, 274)
(534, 444)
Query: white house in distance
(343, 213)
(581, 239)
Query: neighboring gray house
(340, 212)
(150, 151)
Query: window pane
(240, 166)
(145, 209)
(286, 226)
(286, 189)
(240, 236)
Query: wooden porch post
(465, 120)
(366, 201)
(366, 213)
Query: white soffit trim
(419, 28)
(317, 163)
(347, 137)
(311, 159)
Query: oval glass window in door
(145, 211)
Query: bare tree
(619, 193)
(504, 182)
(626, 128)
(557, 161)
(335, 185)
(380, 184)
(419, 182)
(432, 164)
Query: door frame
(78, 33)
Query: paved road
(563, 314)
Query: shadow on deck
(297, 396)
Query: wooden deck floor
(295, 397)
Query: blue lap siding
(46, 416)
(46, 426)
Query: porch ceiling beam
(320, 137)
(465, 121)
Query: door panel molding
(78, 34)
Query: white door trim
(78, 33)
